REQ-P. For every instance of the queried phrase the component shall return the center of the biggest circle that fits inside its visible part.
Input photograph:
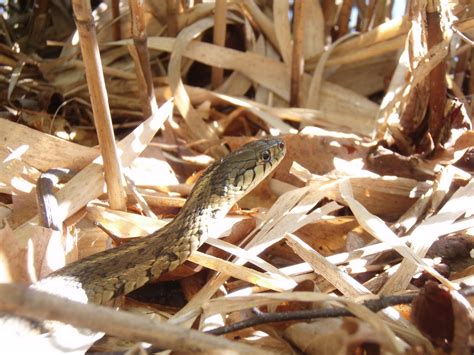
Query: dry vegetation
(374, 198)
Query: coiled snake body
(108, 274)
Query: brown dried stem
(219, 34)
(117, 34)
(142, 59)
(100, 105)
(297, 60)
(438, 90)
(344, 16)
(172, 16)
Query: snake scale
(108, 274)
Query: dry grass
(374, 197)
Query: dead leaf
(432, 313)
(334, 336)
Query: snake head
(269, 152)
(246, 167)
(229, 179)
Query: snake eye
(266, 156)
(281, 145)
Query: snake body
(108, 274)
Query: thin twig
(374, 305)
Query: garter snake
(108, 274)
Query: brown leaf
(454, 246)
(433, 314)
(335, 336)
(386, 162)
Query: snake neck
(203, 210)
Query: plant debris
(360, 241)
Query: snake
(118, 271)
